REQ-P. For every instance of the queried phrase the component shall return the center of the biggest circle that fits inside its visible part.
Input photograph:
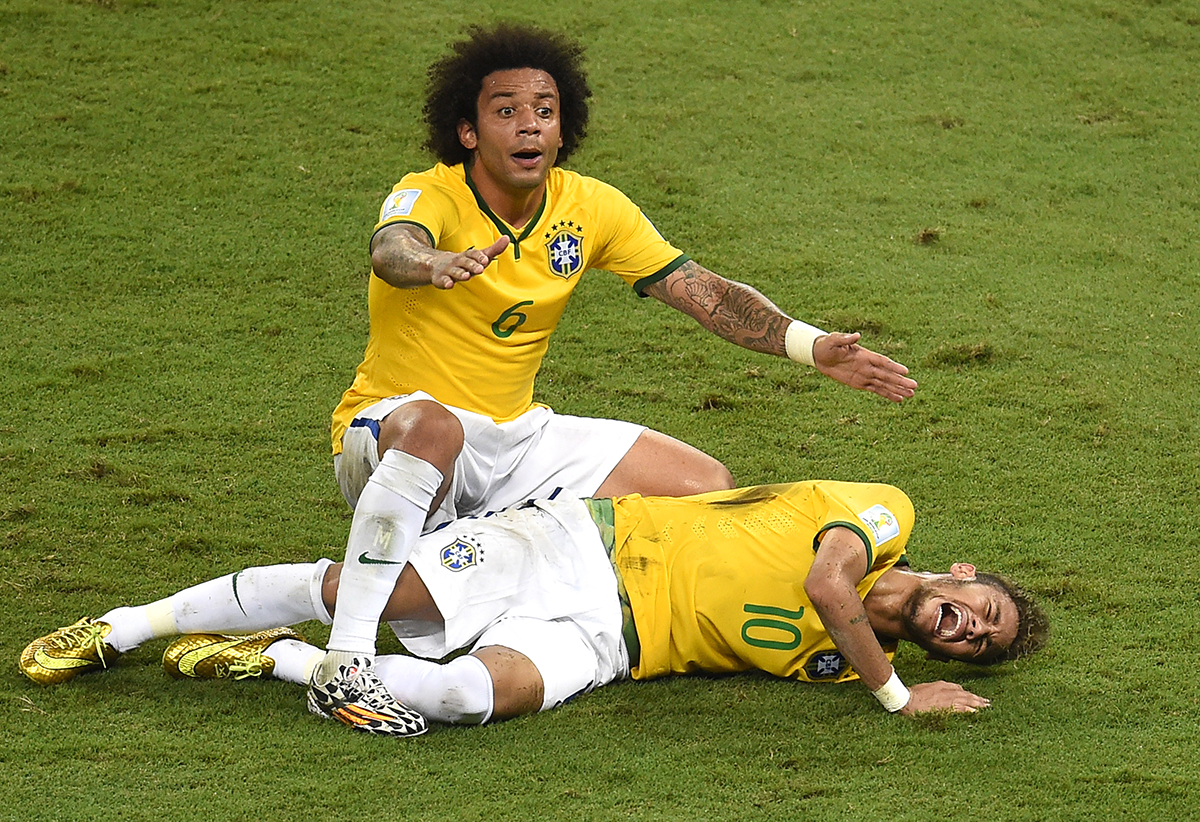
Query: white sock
(294, 660)
(251, 600)
(389, 517)
(459, 692)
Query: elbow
(378, 261)
(824, 592)
(817, 591)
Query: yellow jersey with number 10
(716, 581)
(479, 345)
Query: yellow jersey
(479, 345)
(715, 582)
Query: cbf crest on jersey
(825, 665)
(460, 554)
(564, 249)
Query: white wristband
(893, 695)
(799, 340)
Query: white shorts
(501, 464)
(536, 579)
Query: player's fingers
(496, 249)
(892, 381)
(474, 262)
(840, 339)
(886, 365)
(893, 391)
(447, 277)
(972, 701)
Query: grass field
(1002, 196)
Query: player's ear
(963, 571)
(466, 135)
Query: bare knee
(697, 476)
(711, 476)
(426, 430)
(329, 586)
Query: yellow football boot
(75, 649)
(223, 656)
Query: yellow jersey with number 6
(715, 582)
(479, 345)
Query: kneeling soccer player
(557, 597)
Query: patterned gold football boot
(223, 656)
(75, 649)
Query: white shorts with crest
(501, 464)
(535, 578)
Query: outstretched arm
(743, 316)
(841, 563)
(402, 256)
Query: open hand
(942, 696)
(841, 357)
(458, 268)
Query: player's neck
(515, 206)
(885, 602)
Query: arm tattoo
(731, 310)
(400, 256)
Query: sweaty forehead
(511, 82)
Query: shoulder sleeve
(880, 514)
(422, 200)
(629, 245)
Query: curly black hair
(456, 80)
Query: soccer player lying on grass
(556, 597)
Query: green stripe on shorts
(604, 516)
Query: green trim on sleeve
(645, 282)
(856, 529)
(390, 223)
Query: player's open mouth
(527, 158)
(950, 621)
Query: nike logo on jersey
(59, 663)
(189, 661)
(369, 560)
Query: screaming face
(964, 620)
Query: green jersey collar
(502, 226)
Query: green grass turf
(1001, 196)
